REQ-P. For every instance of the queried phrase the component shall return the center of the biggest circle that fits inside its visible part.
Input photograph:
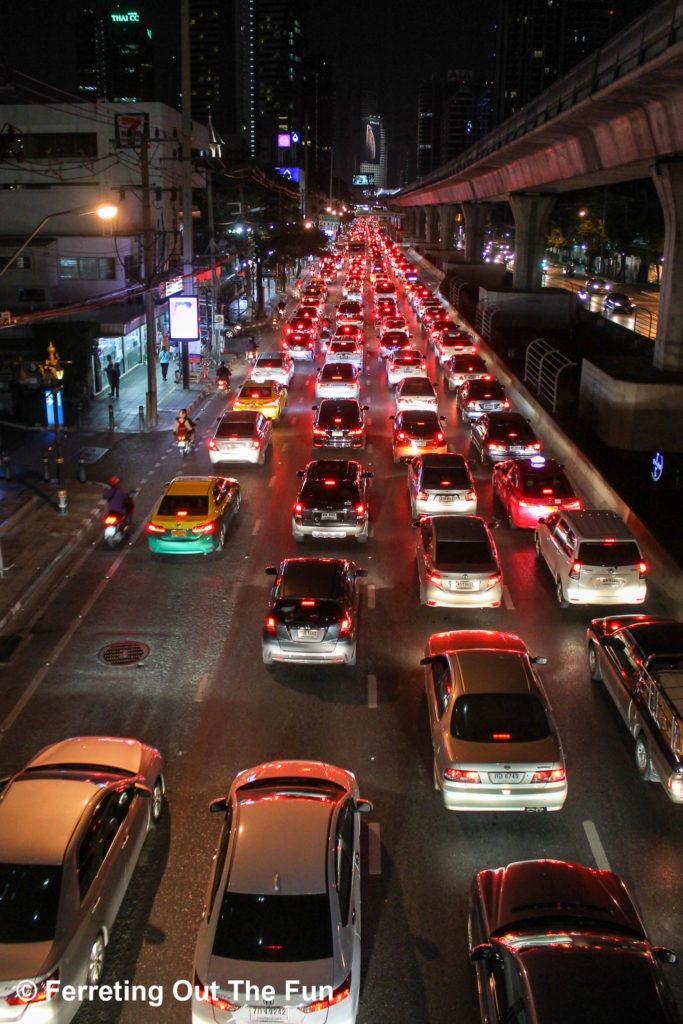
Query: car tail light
(270, 626)
(204, 528)
(505, 404)
(298, 508)
(360, 510)
(345, 627)
(421, 496)
(552, 775)
(153, 528)
(642, 568)
(208, 994)
(501, 737)
(571, 504)
(493, 447)
(111, 520)
(487, 376)
(256, 443)
(536, 446)
(318, 431)
(340, 993)
(440, 436)
(575, 571)
(40, 991)
(493, 580)
(471, 496)
(212, 445)
(434, 577)
(401, 436)
(472, 404)
(461, 775)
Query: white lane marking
(371, 595)
(507, 600)
(271, 482)
(374, 849)
(257, 527)
(372, 691)
(597, 849)
(202, 687)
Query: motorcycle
(185, 440)
(223, 385)
(117, 525)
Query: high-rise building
(279, 74)
(539, 41)
(429, 100)
(115, 55)
(373, 147)
(457, 115)
(319, 108)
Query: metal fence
(543, 369)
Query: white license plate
(311, 635)
(464, 585)
(330, 534)
(505, 777)
(445, 499)
(337, 433)
(328, 515)
(257, 1013)
(178, 533)
(608, 582)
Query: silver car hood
(23, 960)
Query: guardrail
(543, 368)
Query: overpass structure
(618, 116)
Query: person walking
(115, 378)
(109, 370)
(164, 359)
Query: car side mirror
(442, 418)
(300, 472)
(664, 955)
(219, 805)
(493, 524)
(392, 417)
(483, 952)
(541, 520)
(361, 572)
(367, 475)
(270, 570)
(428, 660)
(363, 806)
(366, 408)
(314, 407)
(539, 661)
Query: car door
(620, 669)
(478, 429)
(101, 859)
(413, 478)
(553, 541)
(439, 692)
(424, 551)
(504, 990)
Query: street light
(53, 372)
(106, 211)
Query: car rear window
(270, 363)
(235, 428)
(621, 552)
(553, 485)
(417, 426)
(333, 416)
(335, 491)
(504, 717)
(515, 433)
(437, 479)
(29, 898)
(338, 371)
(274, 929)
(471, 554)
(406, 359)
(190, 504)
(255, 390)
(416, 386)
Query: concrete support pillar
(447, 213)
(411, 221)
(419, 223)
(475, 215)
(668, 178)
(431, 217)
(531, 213)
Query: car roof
(312, 577)
(409, 416)
(458, 527)
(339, 469)
(493, 671)
(264, 356)
(598, 524)
(240, 416)
(38, 816)
(474, 640)
(658, 638)
(443, 460)
(191, 484)
(107, 752)
(484, 386)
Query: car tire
(95, 960)
(435, 778)
(642, 756)
(511, 523)
(220, 542)
(559, 593)
(593, 663)
(157, 808)
(537, 545)
(261, 461)
(298, 537)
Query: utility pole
(148, 257)
(212, 256)
(305, 209)
(186, 154)
(331, 161)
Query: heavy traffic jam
(280, 937)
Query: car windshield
(490, 717)
(235, 428)
(465, 554)
(447, 478)
(184, 504)
(273, 929)
(547, 485)
(29, 899)
(621, 552)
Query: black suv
(339, 423)
(497, 436)
(312, 614)
(333, 501)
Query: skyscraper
(279, 73)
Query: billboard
(290, 173)
(284, 140)
(183, 313)
(364, 180)
(370, 147)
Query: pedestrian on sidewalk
(115, 378)
(109, 370)
(164, 359)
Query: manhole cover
(123, 652)
(90, 455)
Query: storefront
(125, 340)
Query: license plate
(178, 533)
(328, 515)
(337, 433)
(445, 499)
(257, 1013)
(310, 635)
(464, 585)
(609, 582)
(506, 777)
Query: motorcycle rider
(119, 502)
(184, 424)
(223, 373)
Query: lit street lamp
(105, 211)
(53, 372)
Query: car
(266, 396)
(457, 562)
(639, 660)
(339, 423)
(350, 312)
(568, 269)
(548, 938)
(241, 437)
(193, 515)
(324, 339)
(299, 345)
(353, 291)
(73, 823)
(348, 332)
(310, 310)
(302, 325)
(476, 397)
(438, 324)
(453, 342)
(346, 351)
(313, 611)
(393, 323)
(416, 432)
(332, 501)
(498, 436)
(528, 489)
(384, 290)
(441, 484)
(337, 380)
(458, 369)
(283, 917)
(495, 743)
(391, 342)
(592, 557)
(276, 366)
(619, 302)
(416, 393)
(406, 362)
(385, 308)
(597, 284)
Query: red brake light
(460, 775)
(206, 994)
(504, 736)
(360, 510)
(308, 603)
(554, 775)
(493, 580)
(575, 571)
(340, 993)
(401, 436)
(642, 568)
(256, 443)
(111, 520)
(212, 444)
(270, 625)
(345, 627)
(298, 508)
(38, 993)
(440, 436)
(204, 528)
(152, 528)
(181, 512)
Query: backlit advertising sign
(290, 173)
(370, 149)
(364, 180)
(183, 311)
(284, 140)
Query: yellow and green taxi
(193, 515)
(265, 396)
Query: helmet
(114, 481)
(183, 412)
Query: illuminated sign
(283, 140)
(53, 398)
(183, 311)
(657, 466)
(171, 287)
(364, 180)
(290, 173)
(295, 138)
(132, 16)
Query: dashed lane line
(371, 595)
(257, 527)
(374, 849)
(507, 600)
(372, 691)
(597, 849)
